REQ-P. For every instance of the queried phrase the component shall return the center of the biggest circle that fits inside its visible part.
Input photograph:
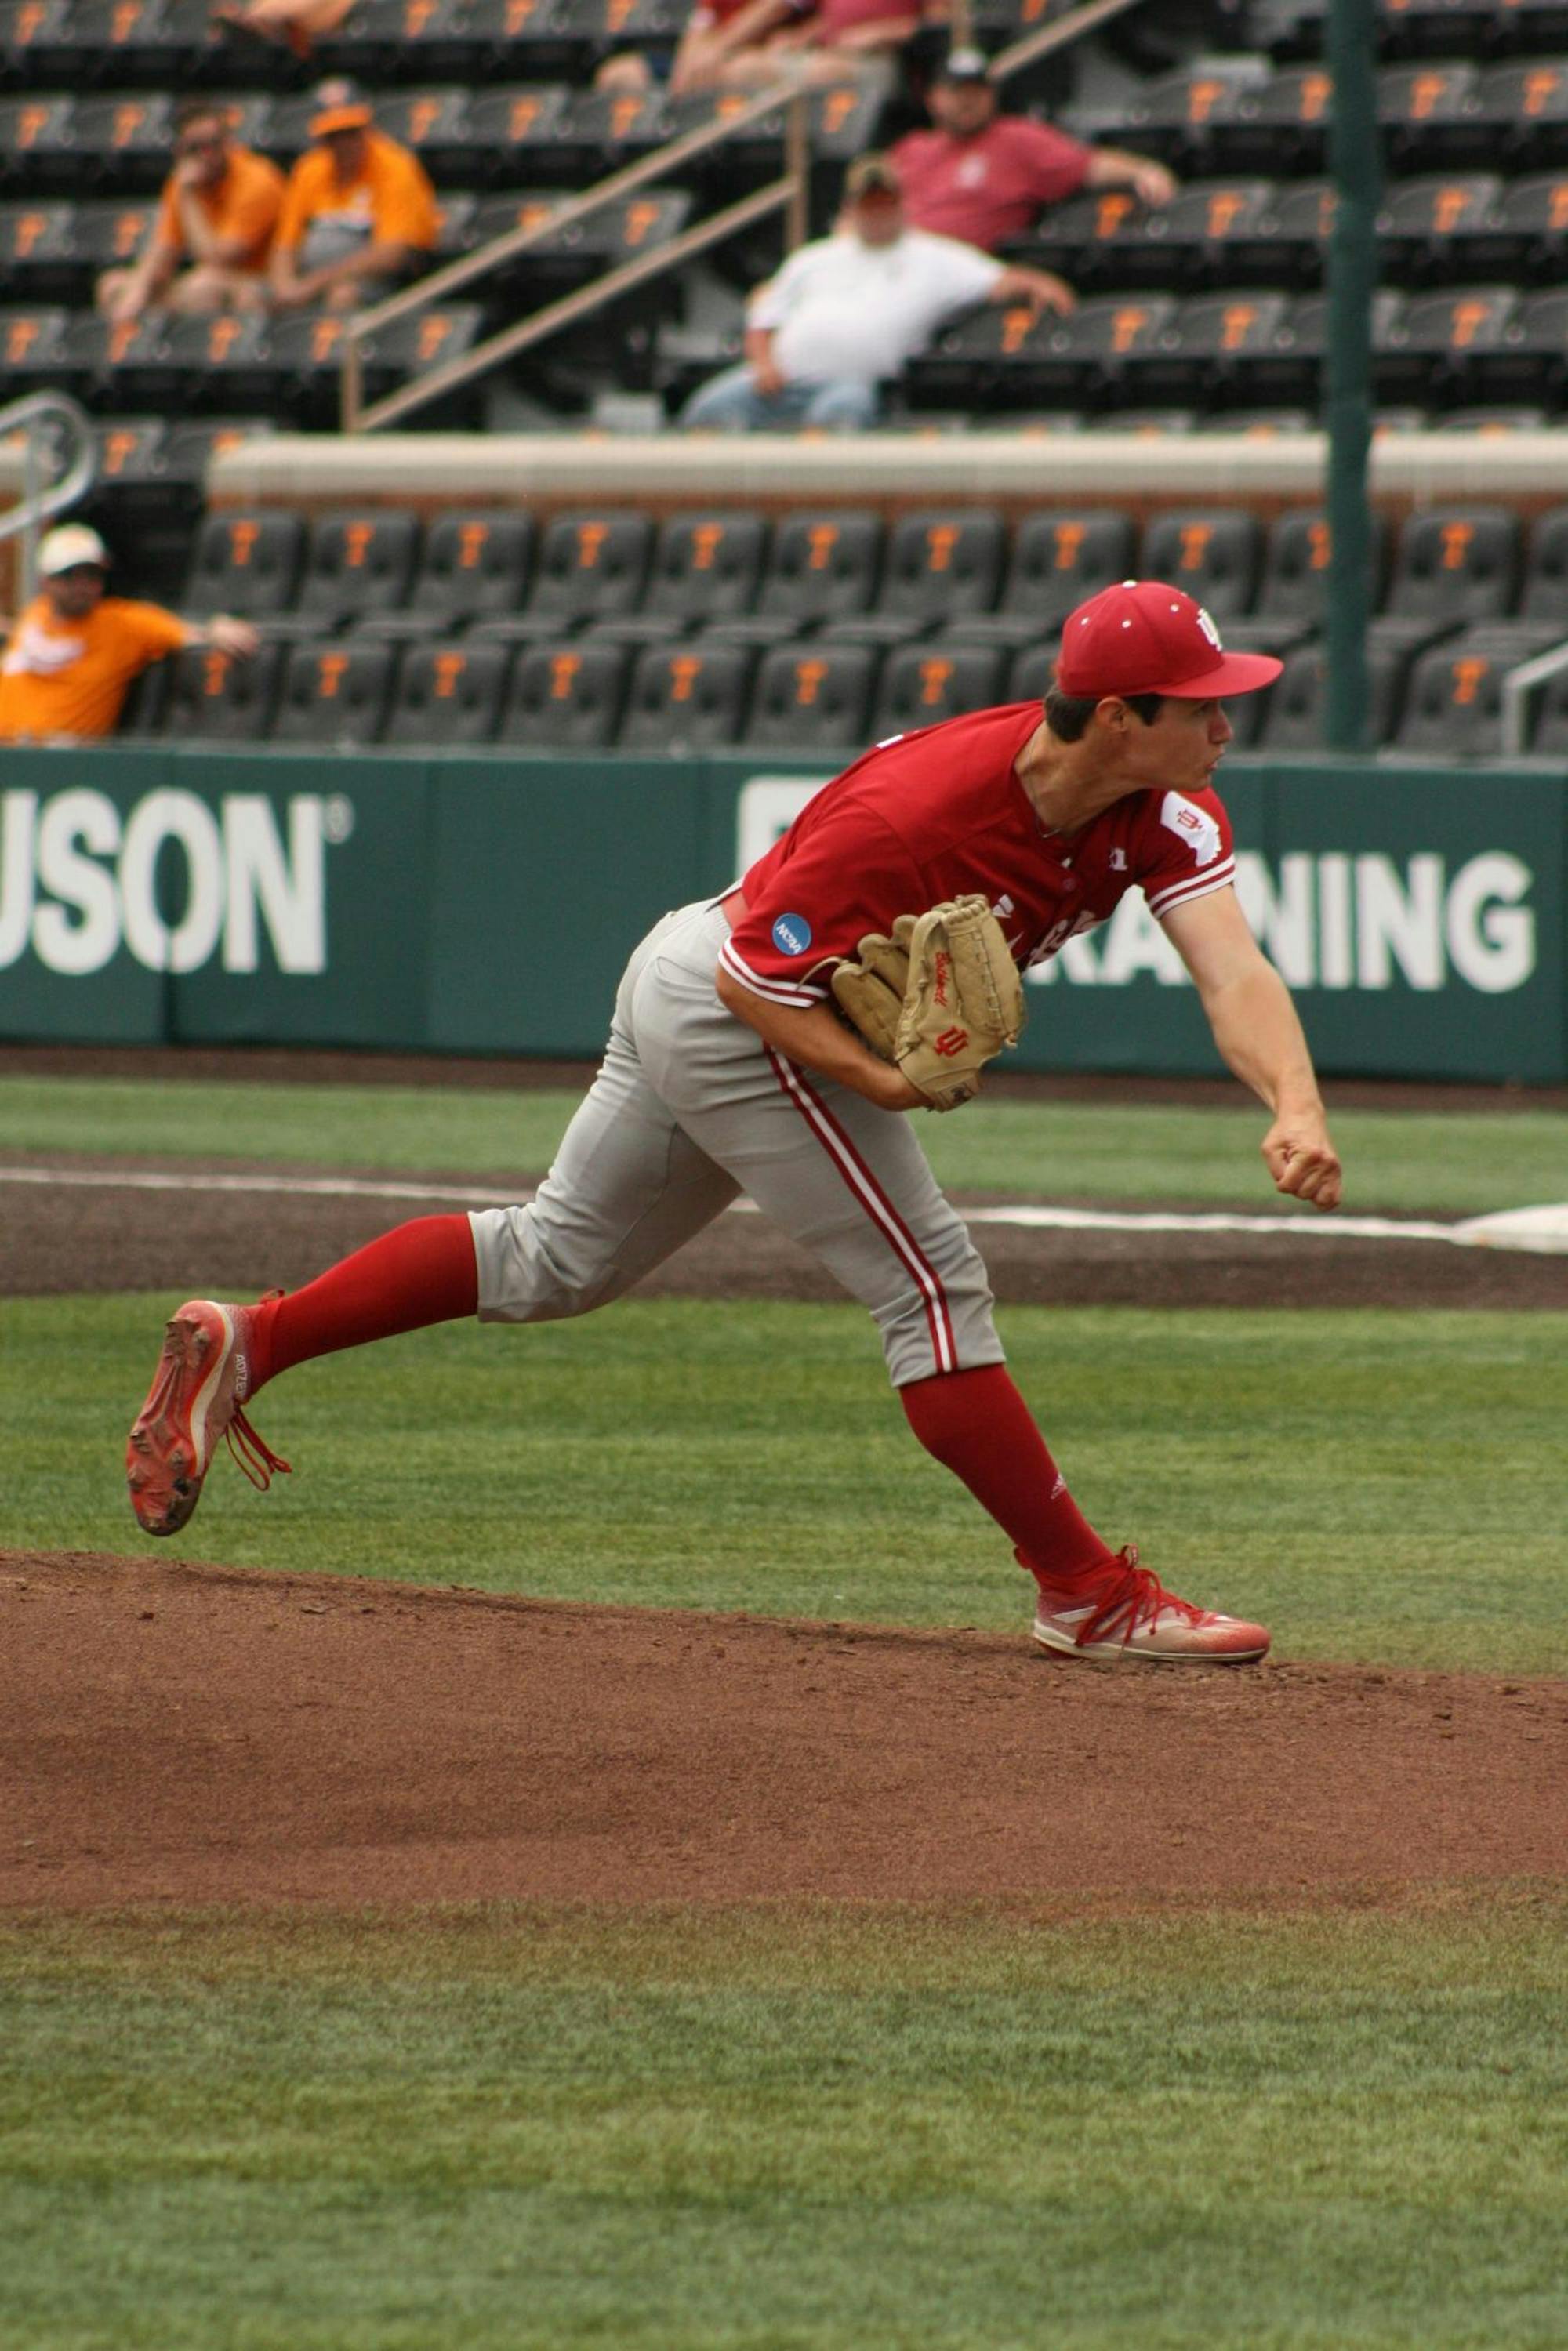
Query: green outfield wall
(155, 896)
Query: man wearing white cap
(70, 657)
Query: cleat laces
(253, 1453)
(1135, 1598)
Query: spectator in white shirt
(845, 313)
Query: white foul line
(1543, 1231)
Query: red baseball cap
(1147, 637)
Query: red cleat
(203, 1377)
(1122, 1610)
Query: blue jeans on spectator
(731, 402)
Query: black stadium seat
(1214, 556)
(38, 151)
(704, 566)
(812, 697)
(219, 696)
(1457, 564)
(688, 697)
(1430, 228)
(474, 565)
(1451, 345)
(360, 562)
(1213, 234)
(924, 683)
(127, 141)
(448, 692)
(942, 565)
(246, 564)
(1296, 565)
(1544, 596)
(566, 695)
(1206, 349)
(1521, 110)
(1058, 560)
(821, 568)
(1454, 699)
(591, 567)
(334, 694)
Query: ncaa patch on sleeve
(791, 935)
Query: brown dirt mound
(175, 1732)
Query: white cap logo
(1209, 631)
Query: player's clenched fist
(1301, 1159)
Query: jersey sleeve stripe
(1197, 885)
(776, 991)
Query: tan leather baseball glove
(940, 998)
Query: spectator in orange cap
(359, 212)
(217, 217)
(70, 657)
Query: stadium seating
(804, 629)
(721, 627)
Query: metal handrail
(790, 95)
(1518, 685)
(39, 499)
(657, 166)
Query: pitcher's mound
(170, 1732)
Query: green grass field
(817, 2129)
(754, 2131)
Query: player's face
(1181, 749)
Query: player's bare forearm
(1257, 1030)
(818, 1040)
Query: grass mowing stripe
(513, 2127)
(1453, 1163)
(1385, 1487)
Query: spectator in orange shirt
(359, 213)
(219, 209)
(70, 657)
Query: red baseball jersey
(941, 813)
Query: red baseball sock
(978, 1426)
(419, 1273)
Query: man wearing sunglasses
(210, 243)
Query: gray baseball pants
(690, 1108)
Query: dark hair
(1068, 715)
(201, 110)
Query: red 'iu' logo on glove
(951, 1041)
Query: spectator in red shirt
(983, 176)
